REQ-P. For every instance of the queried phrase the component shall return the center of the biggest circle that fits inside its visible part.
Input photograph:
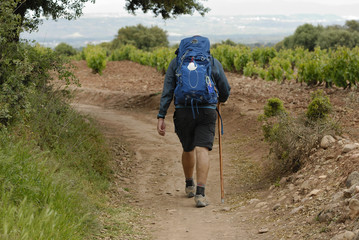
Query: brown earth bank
(317, 202)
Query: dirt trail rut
(158, 181)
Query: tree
(331, 38)
(141, 37)
(352, 25)
(306, 36)
(31, 11)
(167, 9)
(9, 23)
(65, 50)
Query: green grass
(35, 203)
(56, 179)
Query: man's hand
(161, 127)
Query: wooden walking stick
(220, 151)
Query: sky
(345, 8)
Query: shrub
(319, 107)
(274, 107)
(24, 70)
(96, 58)
(122, 53)
(291, 138)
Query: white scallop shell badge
(192, 66)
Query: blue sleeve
(168, 89)
(221, 81)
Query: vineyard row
(339, 67)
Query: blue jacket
(169, 86)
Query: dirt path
(158, 182)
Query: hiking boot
(190, 191)
(201, 201)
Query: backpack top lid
(195, 44)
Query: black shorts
(198, 132)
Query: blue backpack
(194, 79)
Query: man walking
(195, 110)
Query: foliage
(65, 49)
(352, 25)
(306, 36)
(274, 107)
(319, 107)
(23, 70)
(167, 9)
(342, 68)
(291, 138)
(159, 58)
(311, 37)
(241, 58)
(96, 58)
(263, 55)
(9, 23)
(30, 12)
(333, 38)
(141, 37)
(225, 54)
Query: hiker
(195, 116)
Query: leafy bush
(225, 54)
(96, 58)
(274, 107)
(23, 70)
(291, 138)
(241, 58)
(319, 107)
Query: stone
(338, 196)
(353, 208)
(305, 185)
(226, 209)
(347, 235)
(353, 179)
(296, 210)
(261, 204)
(276, 207)
(327, 141)
(356, 196)
(263, 230)
(254, 200)
(283, 181)
(354, 156)
(296, 198)
(291, 187)
(347, 193)
(349, 147)
(325, 216)
(314, 192)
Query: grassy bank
(56, 177)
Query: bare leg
(202, 167)
(188, 162)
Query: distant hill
(241, 29)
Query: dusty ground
(125, 100)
